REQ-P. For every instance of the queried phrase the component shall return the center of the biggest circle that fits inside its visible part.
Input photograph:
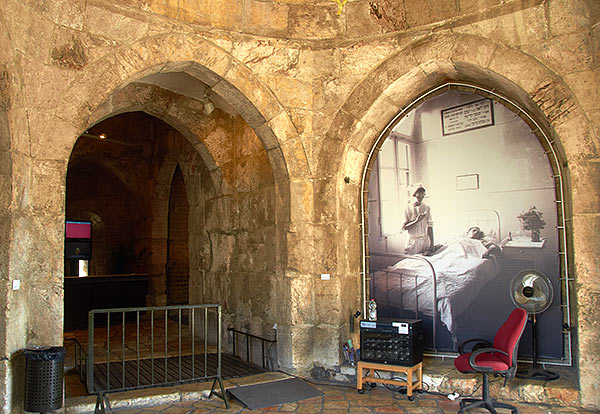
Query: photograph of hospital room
(490, 198)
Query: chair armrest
(461, 347)
(474, 355)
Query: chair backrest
(508, 336)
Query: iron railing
(249, 338)
(399, 278)
(80, 358)
(140, 350)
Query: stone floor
(341, 396)
(338, 398)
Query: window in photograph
(394, 179)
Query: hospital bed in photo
(440, 287)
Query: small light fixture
(207, 103)
(102, 136)
(209, 107)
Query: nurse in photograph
(419, 224)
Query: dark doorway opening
(178, 262)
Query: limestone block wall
(316, 89)
(5, 219)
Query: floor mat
(273, 393)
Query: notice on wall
(466, 117)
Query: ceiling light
(104, 137)
(209, 107)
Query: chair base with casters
(497, 358)
(486, 402)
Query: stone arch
(423, 66)
(90, 92)
(231, 81)
(96, 94)
(396, 85)
(160, 104)
(168, 108)
(100, 92)
(431, 62)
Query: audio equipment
(392, 341)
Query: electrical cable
(313, 382)
(399, 389)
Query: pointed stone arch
(95, 94)
(431, 62)
(160, 203)
(537, 93)
(88, 96)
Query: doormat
(269, 394)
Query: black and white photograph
(461, 200)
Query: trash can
(44, 373)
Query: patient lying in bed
(475, 233)
(460, 269)
(491, 247)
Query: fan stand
(534, 372)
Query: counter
(82, 294)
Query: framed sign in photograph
(467, 182)
(466, 117)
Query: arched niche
(456, 141)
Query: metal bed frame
(401, 276)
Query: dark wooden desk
(82, 294)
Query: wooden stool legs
(370, 377)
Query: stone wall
(5, 219)
(314, 89)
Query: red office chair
(499, 358)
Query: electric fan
(532, 291)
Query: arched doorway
(112, 182)
(483, 162)
(178, 257)
(223, 232)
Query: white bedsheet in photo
(460, 270)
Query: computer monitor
(78, 229)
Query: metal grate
(232, 367)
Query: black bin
(44, 373)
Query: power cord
(400, 389)
(454, 394)
(313, 382)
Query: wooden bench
(370, 377)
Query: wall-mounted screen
(78, 229)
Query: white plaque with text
(466, 117)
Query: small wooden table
(372, 367)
